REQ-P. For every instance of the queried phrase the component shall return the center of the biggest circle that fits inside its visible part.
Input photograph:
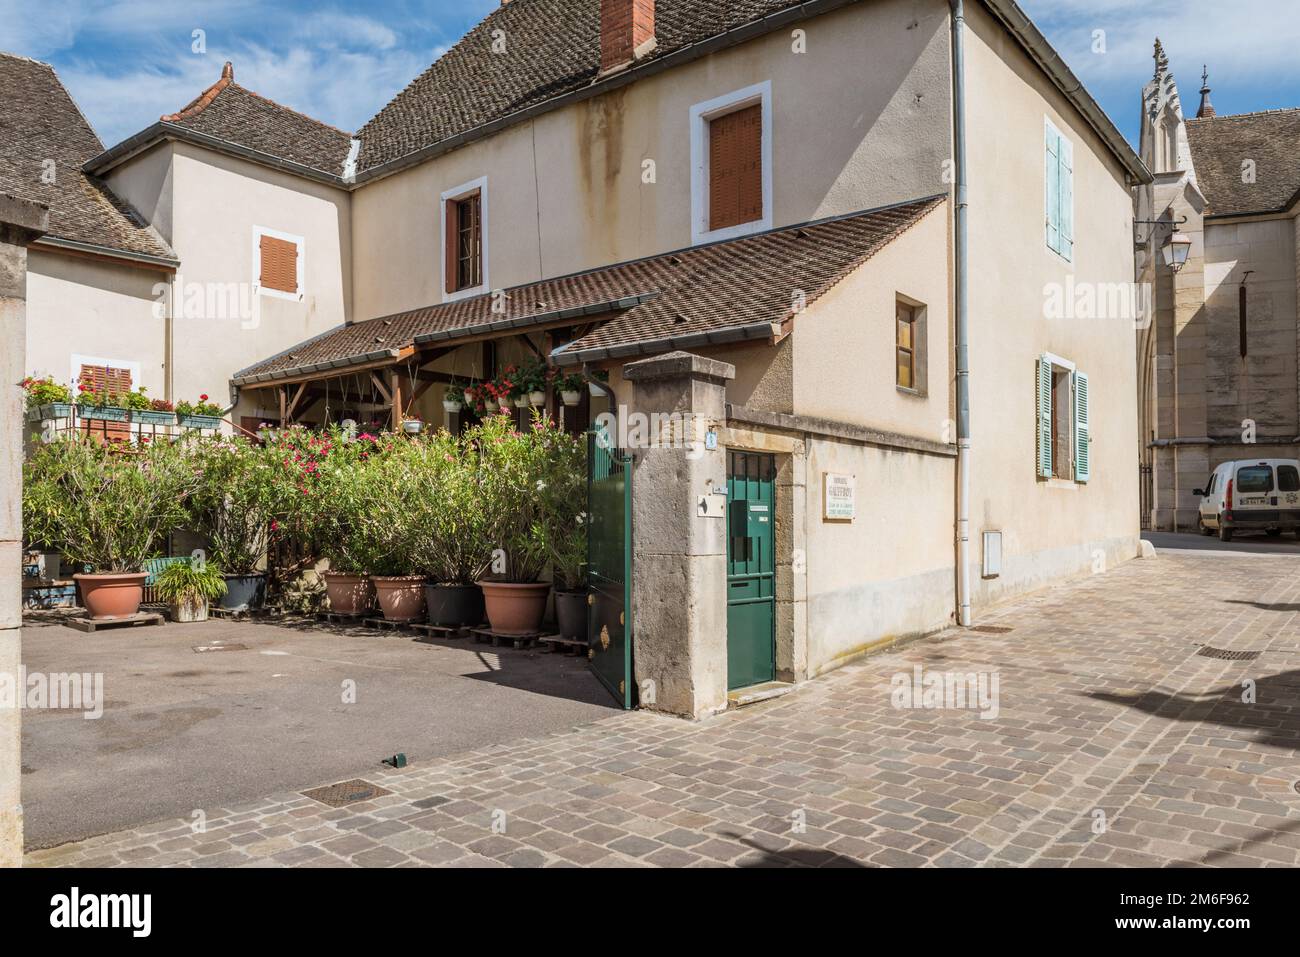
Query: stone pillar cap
(679, 364)
(30, 217)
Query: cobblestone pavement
(1114, 743)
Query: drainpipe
(960, 298)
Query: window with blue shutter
(1044, 417)
(1063, 430)
(1082, 460)
(1059, 199)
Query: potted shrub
(449, 533)
(516, 472)
(454, 398)
(188, 587)
(570, 389)
(565, 501)
(47, 399)
(233, 509)
(109, 511)
(199, 415)
(380, 508)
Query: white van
(1251, 494)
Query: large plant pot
(243, 593)
(454, 606)
(108, 597)
(401, 597)
(571, 614)
(348, 594)
(515, 609)
(190, 611)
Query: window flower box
(153, 417)
(200, 421)
(51, 410)
(107, 413)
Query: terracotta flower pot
(401, 597)
(109, 597)
(348, 594)
(513, 608)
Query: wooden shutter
(1082, 433)
(451, 240)
(279, 264)
(1052, 170)
(1065, 190)
(736, 168)
(1044, 417)
(111, 380)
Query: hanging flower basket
(491, 405)
(537, 398)
(451, 405)
(521, 402)
(571, 398)
(412, 426)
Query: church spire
(1162, 61)
(1206, 108)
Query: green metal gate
(609, 566)
(751, 570)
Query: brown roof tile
(233, 114)
(552, 47)
(651, 304)
(1220, 144)
(40, 123)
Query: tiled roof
(233, 114)
(552, 47)
(696, 292)
(44, 140)
(1220, 144)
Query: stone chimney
(627, 33)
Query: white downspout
(960, 301)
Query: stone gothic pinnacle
(1206, 108)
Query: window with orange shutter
(736, 167)
(279, 264)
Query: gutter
(713, 337)
(144, 259)
(961, 310)
(163, 131)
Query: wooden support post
(395, 385)
(293, 405)
(284, 399)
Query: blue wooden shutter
(1082, 459)
(1065, 190)
(1044, 429)
(1053, 194)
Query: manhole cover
(202, 649)
(991, 629)
(348, 792)
(1223, 654)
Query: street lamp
(1175, 250)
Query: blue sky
(129, 61)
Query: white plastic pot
(571, 398)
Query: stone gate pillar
(20, 223)
(679, 590)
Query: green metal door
(751, 570)
(609, 566)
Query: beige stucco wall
(146, 182)
(844, 344)
(565, 192)
(218, 201)
(96, 309)
(1051, 529)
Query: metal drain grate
(991, 629)
(345, 793)
(1223, 654)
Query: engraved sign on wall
(838, 497)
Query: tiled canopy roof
(235, 115)
(1220, 144)
(704, 293)
(552, 47)
(44, 140)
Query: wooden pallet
(438, 631)
(93, 625)
(383, 624)
(497, 639)
(337, 618)
(564, 646)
